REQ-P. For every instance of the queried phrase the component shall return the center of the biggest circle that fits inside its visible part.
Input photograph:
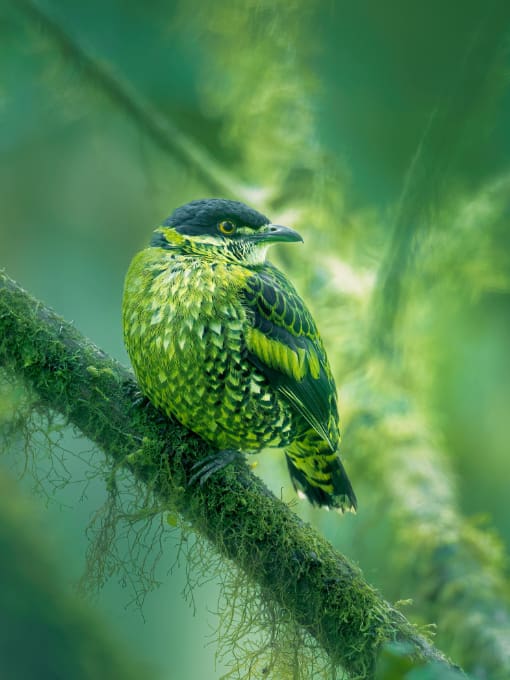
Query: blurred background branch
(159, 127)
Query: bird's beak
(275, 233)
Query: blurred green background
(380, 129)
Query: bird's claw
(139, 400)
(206, 467)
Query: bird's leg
(206, 467)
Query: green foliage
(380, 132)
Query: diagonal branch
(292, 564)
(159, 127)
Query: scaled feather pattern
(220, 339)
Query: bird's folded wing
(283, 342)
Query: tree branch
(159, 127)
(289, 561)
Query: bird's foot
(139, 400)
(206, 467)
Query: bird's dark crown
(216, 227)
(202, 216)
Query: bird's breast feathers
(200, 314)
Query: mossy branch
(288, 560)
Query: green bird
(220, 339)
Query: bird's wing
(283, 342)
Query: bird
(220, 339)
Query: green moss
(67, 639)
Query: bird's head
(216, 227)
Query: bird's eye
(227, 227)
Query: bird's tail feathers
(320, 476)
